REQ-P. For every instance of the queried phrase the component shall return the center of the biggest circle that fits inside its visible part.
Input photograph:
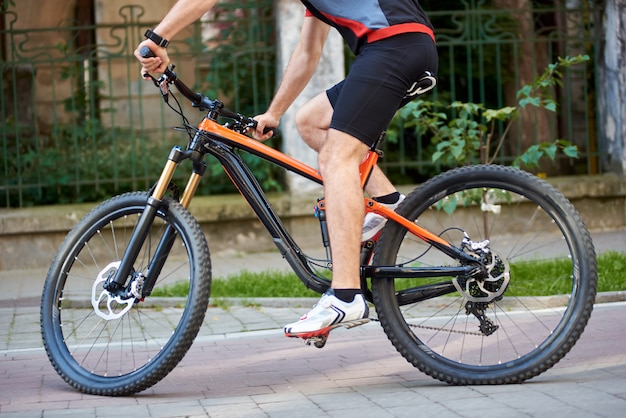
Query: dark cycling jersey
(365, 21)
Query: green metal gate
(78, 123)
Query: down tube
(249, 188)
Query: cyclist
(395, 46)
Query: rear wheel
(529, 308)
(107, 345)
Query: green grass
(263, 284)
(247, 284)
(611, 272)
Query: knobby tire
(129, 354)
(527, 221)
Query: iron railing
(78, 123)
(487, 54)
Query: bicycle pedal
(318, 341)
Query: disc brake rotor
(107, 305)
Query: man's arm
(184, 13)
(298, 73)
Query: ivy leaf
(531, 156)
(534, 101)
(571, 151)
(524, 91)
(500, 114)
(449, 205)
(550, 105)
(457, 149)
(550, 151)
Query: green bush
(468, 133)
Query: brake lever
(163, 81)
(274, 131)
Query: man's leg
(339, 160)
(313, 121)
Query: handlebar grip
(274, 131)
(186, 91)
(146, 52)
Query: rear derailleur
(487, 327)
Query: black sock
(346, 295)
(388, 199)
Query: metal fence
(78, 123)
(487, 54)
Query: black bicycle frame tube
(249, 188)
(252, 192)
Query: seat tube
(367, 165)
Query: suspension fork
(169, 235)
(118, 282)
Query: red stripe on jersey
(383, 33)
(361, 30)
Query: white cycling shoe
(328, 313)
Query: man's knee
(341, 148)
(302, 120)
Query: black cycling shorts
(377, 84)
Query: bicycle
(463, 311)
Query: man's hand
(156, 64)
(266, 120)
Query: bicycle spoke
(502, 326)
(110, 336)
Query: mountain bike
(485, 274)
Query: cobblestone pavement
(259, 373)
(241, 366)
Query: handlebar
(203, 103)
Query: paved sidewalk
(241, 366)
(358, 374)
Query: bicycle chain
(479, 334)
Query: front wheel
(478, 331)
(109, 345)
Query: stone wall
(30, 237)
